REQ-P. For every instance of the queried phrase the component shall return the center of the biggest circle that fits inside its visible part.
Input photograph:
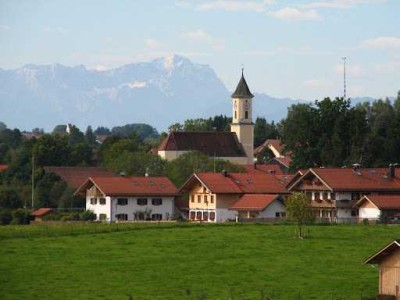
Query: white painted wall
(224, 214)
(343, 213)
(111, 208)
(369, 213)
(343, 196)
(272, 209)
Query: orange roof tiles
(75, 176)
(131, 186)
(41, 212)
(3, 167)
(238, 183)
(382, 201)
(346, 179)
(265, 168)
(254, 202)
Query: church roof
(218, 144)
(242, 90)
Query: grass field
(174, 261)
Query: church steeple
(242, 90)
(242, 117)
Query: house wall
(369, 213)
(272, 209)
(207, 199)
(171, 155)
(389, 277)
(110, 209)
(224, 214)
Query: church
(235, 146)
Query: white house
(129, 198)
(376, 207)
(260, 206)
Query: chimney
(392, 170)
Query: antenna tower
(344, 77)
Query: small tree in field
(299, 210)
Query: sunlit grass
(182, 261)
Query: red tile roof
(285, 161)
(219, 144)
(253, 202)
(346, 179)
(41, 212)
(75, 176)
(381, 201)
(267, 168)
(277, 144)
(3, 167)
(131, 186)
(238, 183)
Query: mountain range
(160, 92)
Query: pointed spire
(242, 90)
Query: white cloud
(4, 27)
(318, 83)
(232, 5)
(294, 14)
(137, 85)
(152, 44)
(301, 51)
(100, 68)
(383, 42)
(388, 67)
(355, 91)
(339, 4)
(200, 36)
(57, 30)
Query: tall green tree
(299, 210)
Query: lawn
(244, 261)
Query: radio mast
(344, 77)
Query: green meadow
(189, 261)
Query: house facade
(212, 196)
(129, 198)
(384, 208)
(251, 206)
(388, 259)
(235, 146)
(334, 191)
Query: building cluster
(336, 194)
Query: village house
(388, 259)
(276, 156)
(129, 198)
(384, 208)
(335, 191)
(219, 197)
(236, 146)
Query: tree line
(325, 133)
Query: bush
(88, 215)
(5, 217)
(20, 216)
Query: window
(102, 217)
(93, 201)
(102, 201)
(198, 215)
(121, 217)
(156, 201)
(192, 215)
(235, 114)
(156, 217)
(280, 214)
(192, 198)
(122, 201)
(212, 216)
(205, 216)
(204, 190)
(246, 114)
(212, 198)
(198, 198)
(142, 201)
(205, 199)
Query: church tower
(242, 119)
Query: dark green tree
(299, 210)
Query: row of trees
(333, 133)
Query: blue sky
(288, 48)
